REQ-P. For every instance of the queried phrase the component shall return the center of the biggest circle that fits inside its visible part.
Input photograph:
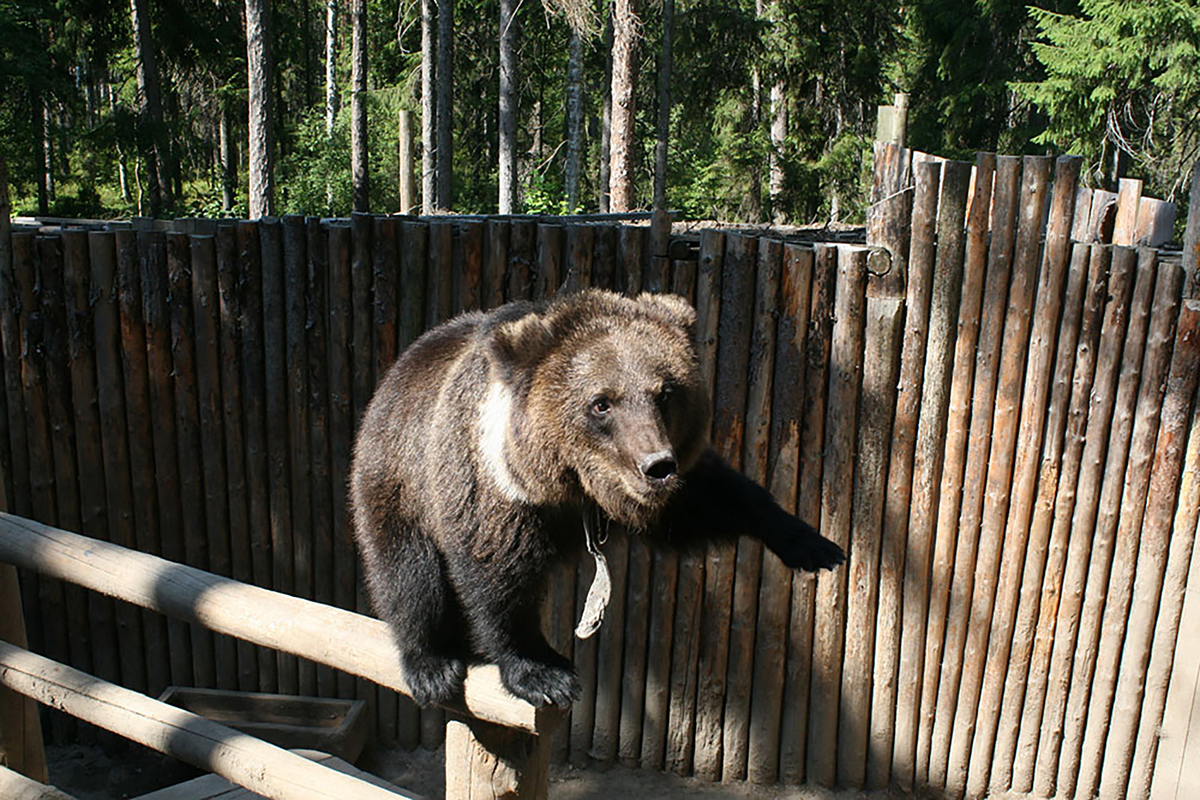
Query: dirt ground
(115, 770)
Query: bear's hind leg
(421, 612)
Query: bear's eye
(664, 396)
(601, 405)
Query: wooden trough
(490, 727)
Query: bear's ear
(519, 344)
(670, 307)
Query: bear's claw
(432, 679)
(540, 684)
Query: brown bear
(497, 437)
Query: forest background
(113, 108)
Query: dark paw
(434, 679)
(540, 684)
(808, 550)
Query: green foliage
(1123, 75)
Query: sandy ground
(122, 770)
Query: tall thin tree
(150, 116)
(508, 108)
(574, 117)
(606, 118)
(359, 173)
(626, 31)
(445, 104)
(428, 108)
(331, 89)
(260, 109)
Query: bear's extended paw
(804, 548)
(434, 679)
(540, 684)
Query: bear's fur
(486, 443)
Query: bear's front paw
(540, 684)
(434, 679)
(808, 550)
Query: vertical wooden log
(1023, 481)
(1067, 680)
(1126, 315)
(927, 461)
(413, 257)
(320, 499)
(749, 558)
(1057, 491)
(521, 254)
(958, 423)
(295, 277)
(49, 597)
(54, 252)
(1134, 500)
(386, 282)
(899, 492)
(733, 342)
(99, 415)
(1004, 440)
(228, 312)
(253, 386)
(550, 272)
(1129, 197)
(630, 255)
(341, 426)
(275, 372)
(845, 379)
(212, 433)
(485, 760)
(153, 286)
(783, 469)
(193, 531)
(881, 369)
(439, 305)
(21, 747)
(685, 641)
(16, 442)
(580, 246)
(495, 262)
(1153, 549)
(1171, 675)
(604, 257)
(468, 259)
(793, 729)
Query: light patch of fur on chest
(495, 412)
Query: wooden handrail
(337, 638)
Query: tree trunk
(428, 109)
(48, 151)
(606, 118)
(408, 189)
(228, 157)
(664, 110)
(331, 90)
(574, 117)
(507, 161)
(626, 27)
(359, 175)
(260, 110)
(150, 118)
(779, 120)
(445, 105)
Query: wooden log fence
(993, 404)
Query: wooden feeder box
(333, 726)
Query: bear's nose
(659, 466)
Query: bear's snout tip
(659, 467)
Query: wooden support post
(20, 726)
(484, 760)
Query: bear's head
(607, 400)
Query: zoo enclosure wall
(996, 412)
